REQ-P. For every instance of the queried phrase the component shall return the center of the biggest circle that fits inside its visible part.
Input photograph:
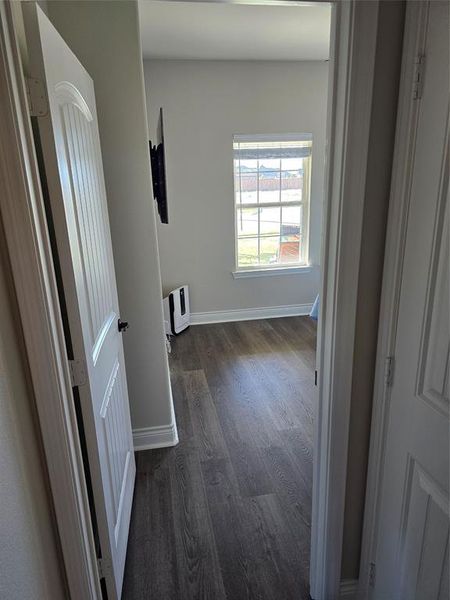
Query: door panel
(118, 456)
(91, 224)
(74, 172)
(433, 385)
(412, 552)
(425, 535)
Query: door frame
(30, 256)
(405, 138)
(352, 68)
(21, 207)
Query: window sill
(244, 273)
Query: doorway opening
(244, 113)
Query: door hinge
(37, 97)
(419, 71)
(372, 574)
(388, 370)
(78, 372)
(104, 567)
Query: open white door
(412, 557)
(76, 190)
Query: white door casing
(74, 176)
(413, 531)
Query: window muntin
(272, 177)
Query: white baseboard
(348, 589)
(148, 438)
(250, 314)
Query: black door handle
(122, 325)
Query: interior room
(224, 356)
(224, 105)
(244, 127)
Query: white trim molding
(272, 271)
(149, 438)
(352, 70)
(348, 589)
(407, 120)
(250, 314)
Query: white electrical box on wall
(177, 315)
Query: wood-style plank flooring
(226, 514)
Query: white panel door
(412, 554)
(74, 173)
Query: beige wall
(29, 563)
(383, 121)
(105, 38)
(205, 103)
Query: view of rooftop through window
(272, 188)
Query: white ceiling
(225, 31)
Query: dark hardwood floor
(226, 514)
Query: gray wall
(105, 38)
(29, 563)
(205, 103)
(382, 132)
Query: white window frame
(277, 268)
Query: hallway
(226, 514)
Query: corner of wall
(105, 37)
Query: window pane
(292, 164)
(291, 187)
(248, 165)
(270, 220)
(269, 250)
(247, 221)
(269, 164)
(247, 252)
(237, 188)
(269, 186)
(290, 234)
(249, 187)
(291, 222)
(289, 252)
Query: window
(272, 192)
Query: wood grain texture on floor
(226, 514)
